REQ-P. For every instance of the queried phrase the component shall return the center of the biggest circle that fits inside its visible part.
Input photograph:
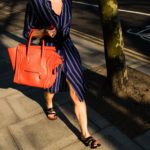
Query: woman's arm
(29, 21)
(32, 20)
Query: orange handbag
(34, 65)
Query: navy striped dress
(39, 14)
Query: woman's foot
(90, 141)
(51, 114)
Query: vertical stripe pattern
(39, 14)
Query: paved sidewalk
(24, 124)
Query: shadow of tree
(130, 115)
(107, 106)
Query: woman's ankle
(48, 98)
(50, 105)
(85, 134)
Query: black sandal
(51, 111)
(90, 141)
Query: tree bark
(113, 45)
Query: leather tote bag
(34, 65)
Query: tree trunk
(113, 43)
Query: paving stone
(116, 140)
(111, 139)
(78, 145)
(89, 49)
(92, 54)
(6, 141)
(97, 118)
(93, 116)
(5, 65)
(26, 104)
(68, 112)
(7, 116)
(4, 92)
(144, 68)
(11, 39)
(6, 75)
(138, 65)
(11, 8)
(144, 140)
(39, 133)
(131, 61)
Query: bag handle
(36, 33)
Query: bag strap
(36, 33)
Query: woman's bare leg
(49, 98)
(81, 114)
(80, 111)
(49, 104)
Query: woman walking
(54, 18)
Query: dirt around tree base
(131, 114)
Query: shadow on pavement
(121, 112)
(129, 114)
(6, 72)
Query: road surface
(134, 16)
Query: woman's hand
(51, 32)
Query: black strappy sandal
(51, 114)
(90, 141)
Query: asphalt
(23, 123)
